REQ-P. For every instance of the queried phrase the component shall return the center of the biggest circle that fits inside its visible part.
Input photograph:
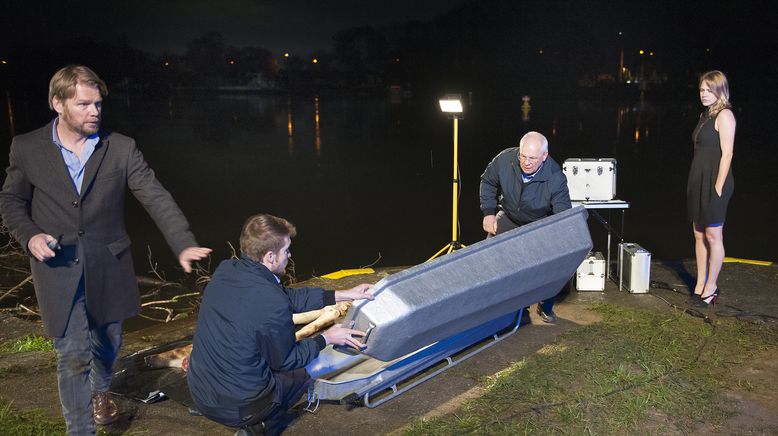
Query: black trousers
(290, 386)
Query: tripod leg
(440, 252)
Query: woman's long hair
(719, 86)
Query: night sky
(506, 36)
(295, 26)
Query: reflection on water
(317, 143)
(525, 108)
(382, 185)
(289, 124)
(11, 128)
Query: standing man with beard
(63, 201)
(521, 185)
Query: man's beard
(81, 129)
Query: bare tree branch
(374, 262)
(172, 300)
(164, 309)
(234, 254)
(22, 283)
(153, 265)
(30, 310)
(19, 270)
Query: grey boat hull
(450, 294)
(428, 313)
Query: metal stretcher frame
(389, 377)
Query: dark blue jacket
(244, 333)
(544, 195)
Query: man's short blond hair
(63, 82)
(262, 233)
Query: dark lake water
(363, 177)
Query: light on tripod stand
(452, 105)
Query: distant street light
(315, 61)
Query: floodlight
(451, 104)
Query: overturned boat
(430, 317)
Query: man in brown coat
(63, 200)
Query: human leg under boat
(546, 307)
(275, 417)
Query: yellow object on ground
(748, 261)
(347, 272)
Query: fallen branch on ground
(22, 283)
(172, 300)
(155, 282)
(30, 310)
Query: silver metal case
(590, 275)
(634, 268)
(590, 179)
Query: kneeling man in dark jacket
(246, 367)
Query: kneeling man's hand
(359, 292)
(339, 335)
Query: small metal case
(634, 268)
(590, 179)
(590, 276)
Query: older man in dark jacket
(63, 201)
(246, 368)
(520, 185)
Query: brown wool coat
(38, 196)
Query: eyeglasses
(529, 158)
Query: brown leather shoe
(106, 410)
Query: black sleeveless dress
(703, 204)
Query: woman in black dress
(711, 183)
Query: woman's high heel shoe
(708, 301)
(694, 299)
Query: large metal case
(590, 275)
(634, 268)
(437, 299)
(590, 179)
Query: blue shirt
(75, 165)
(527, 177)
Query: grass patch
(27, 343)
(35, 423)
(637, 370)
(27, 423)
